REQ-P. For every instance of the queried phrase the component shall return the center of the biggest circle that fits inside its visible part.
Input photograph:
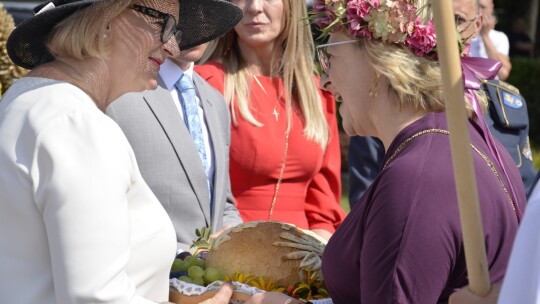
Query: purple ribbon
(473, 69)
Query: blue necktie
(189, 101)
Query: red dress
(310, 191)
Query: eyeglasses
(324, 57)
(462, 23)
(168, 23)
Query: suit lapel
(166, 113)
(212, 123)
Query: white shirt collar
(170, 73)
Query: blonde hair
(414, 81)
(79, 36)
(295, 64)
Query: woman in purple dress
(402, 243)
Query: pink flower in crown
(323, 15)
(401, 16)
(357, 12)
(408, 17)
(319, 6)
(359, 9)
(423, 39)
(378, 23)
(392, 21)
(359, 29)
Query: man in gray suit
(195, 192)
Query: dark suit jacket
(168, 159)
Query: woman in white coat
(78, 224)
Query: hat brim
(205, 20)
(200, 21)
(26, 44)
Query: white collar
(170, 73)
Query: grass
(345, 192)
(345, 202)
(536, 156)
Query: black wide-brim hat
(205, 20)
(200, 22)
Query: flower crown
(392, 21)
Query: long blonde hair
(295, 64)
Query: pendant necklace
(285, 153)
(275, 111)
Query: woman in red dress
(284, 155)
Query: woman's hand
(466, 296)
(222, 296)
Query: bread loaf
(273, 250)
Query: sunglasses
(168, 23)
(324, 57)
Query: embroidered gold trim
(492, 167)
(406, 142)
(483, 156)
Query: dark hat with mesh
(26, 44)
(200, 22)
(204, 20)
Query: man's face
(486, 7)
(467, 20)
(193, 54)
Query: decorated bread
(277, 251)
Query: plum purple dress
(402, 242)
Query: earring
(104, 34)
(374, 90)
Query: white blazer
(78, 224)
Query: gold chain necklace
(285, 152)
(278, 183)
(483, 156)
(275, 112)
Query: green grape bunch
(192, 268)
